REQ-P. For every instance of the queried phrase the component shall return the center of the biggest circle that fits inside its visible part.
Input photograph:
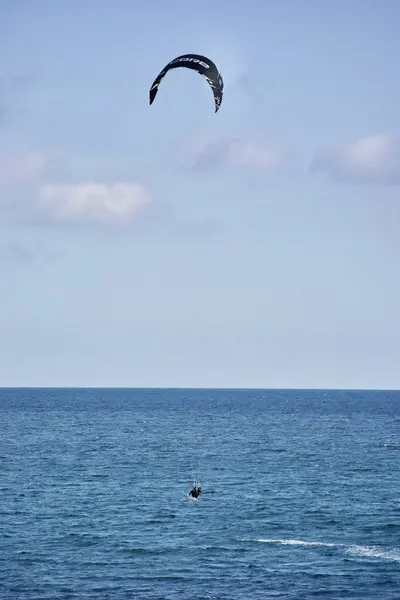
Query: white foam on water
(288, 542)
(373, 552)
(354, 550)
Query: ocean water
(301, 494)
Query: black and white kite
(202, 65)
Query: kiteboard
(191, 498)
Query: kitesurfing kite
(202, 65)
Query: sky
(172, 246)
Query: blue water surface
(301, 494)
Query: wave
(287, 542)
(354, 550)
(374, 552)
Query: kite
(203, 65)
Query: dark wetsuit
(195, 492)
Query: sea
(301, 494)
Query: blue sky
(172, 246)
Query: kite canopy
(202, 65)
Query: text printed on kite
(203, 65)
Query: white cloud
(375, 159)
(91, 202)
(256, 156)
(21, 168)
(213, 151)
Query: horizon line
(197, 388)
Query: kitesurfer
(195, 492)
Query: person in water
(195, 492)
